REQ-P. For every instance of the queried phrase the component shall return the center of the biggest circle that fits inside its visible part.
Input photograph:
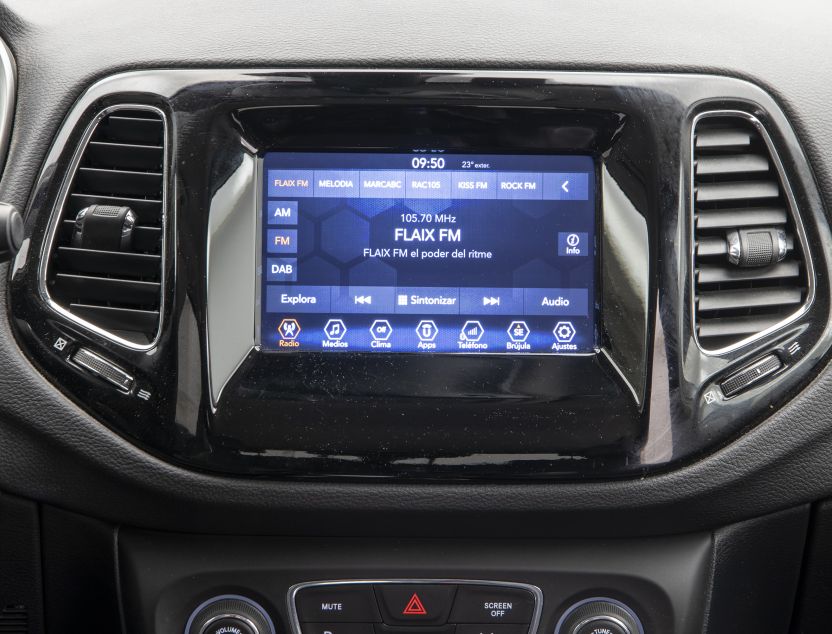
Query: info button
(573, 243)
(492, 604)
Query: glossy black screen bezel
(392, 411)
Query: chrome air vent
(104, 267)
(751, 266)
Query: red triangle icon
(414, 607)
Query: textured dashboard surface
(54, 452)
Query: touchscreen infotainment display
(428, 252)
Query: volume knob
(229, 615)
(599, 616)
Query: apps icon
(335, 329)
(289, 329)
(471, 331)
(518, 331)
(564, 331)
(381, 330)
(426, 330)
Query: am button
(490, 604)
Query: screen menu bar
(427, 300)
(427, 184)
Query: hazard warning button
(407, 604)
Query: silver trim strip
(57, 212)
(294, 619)
(8, 90)
(793, 211)
(232, 275)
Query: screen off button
(492, 604)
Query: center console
(468, 275)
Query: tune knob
(229, 615)
(599, 616)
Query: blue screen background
(499, 258)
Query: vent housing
(118, 292)
(739, 188)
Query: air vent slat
(117, 318)
(747, 298)
(721, 327)
(105, 289)
(730, 192)
(143, 158)
(711, 246)
(112, 262)
(715, 138)
(145, 239)
(93, 180)
(130, 129)
(731, 164)
(749, 265)
(733, 218)
(106, 267)
(714, 274)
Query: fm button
(487, 604)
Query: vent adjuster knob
(756, 247)
(104, 228)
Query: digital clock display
(428, 252)
(424, 162)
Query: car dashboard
(414, 319)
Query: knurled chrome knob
(599, 617)
(230, 615)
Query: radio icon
(289, 329)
